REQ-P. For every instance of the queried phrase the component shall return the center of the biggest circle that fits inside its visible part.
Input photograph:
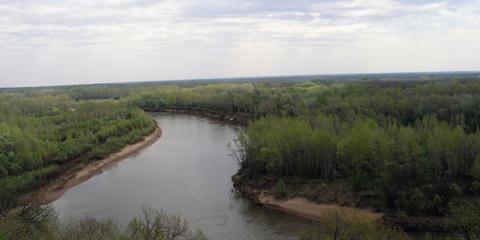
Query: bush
(464, 218)
(236, 179)
(454, 190)
(40, 223)
(475, 171)
(475, 188)
(280, 190)
(339, 224)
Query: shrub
(280, 190)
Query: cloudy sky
(51, 42)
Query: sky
(52, 42)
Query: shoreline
(230, 118)
(304, 208)
(316, 211)
(54, 190)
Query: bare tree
(159, 225)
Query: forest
(413, 145)
(43, 134)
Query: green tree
(464, 219)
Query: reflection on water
(187, 172)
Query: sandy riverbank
(79, 174)
(304, 208)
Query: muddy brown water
(187, 171)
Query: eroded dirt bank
(81, 173)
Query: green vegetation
(338, 224)
(40, 223)
(416, 168)
(465, 219)
(413, 145)
(42, 135)
(247, 98)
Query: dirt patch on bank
(81, 173)
(335, 197)
(304, 208)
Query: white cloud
(63, 42)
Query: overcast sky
(51, 42)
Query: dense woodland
(42, 135)
(414, 144)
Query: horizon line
(257, 77)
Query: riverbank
(81, 173)
(304, 208)
(231, 118)
(314, 200)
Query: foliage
(40, 223)
(416, 168)
(339, 224)
(280, 190)
(465, 219)
(27, 222)
(154, 224)
(41, 136)
(415, 143)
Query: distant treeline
(453, 101)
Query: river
(187, 171)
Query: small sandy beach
(315, 211)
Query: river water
(187, 171)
